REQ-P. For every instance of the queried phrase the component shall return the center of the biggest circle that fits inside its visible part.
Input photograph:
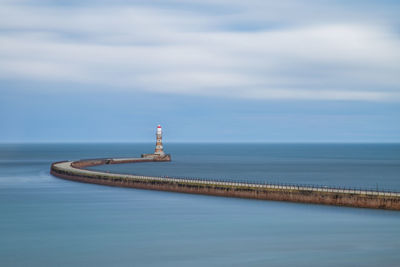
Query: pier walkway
(75, 170)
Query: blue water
(46, 221)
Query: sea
(47, 221)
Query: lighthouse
(159, 147)
(159, 154)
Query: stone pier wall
(362, 199)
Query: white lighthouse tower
(159, 146)
(158, 154)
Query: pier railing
(82, 164)
(244, 188)
(298, 186)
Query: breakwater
(75, 171)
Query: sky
(207, 71)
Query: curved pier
(75, 171)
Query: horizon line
(200, 142)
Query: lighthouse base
(157, 157)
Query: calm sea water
(46, 221)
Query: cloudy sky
(208, 71)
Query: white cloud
(180, 51)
